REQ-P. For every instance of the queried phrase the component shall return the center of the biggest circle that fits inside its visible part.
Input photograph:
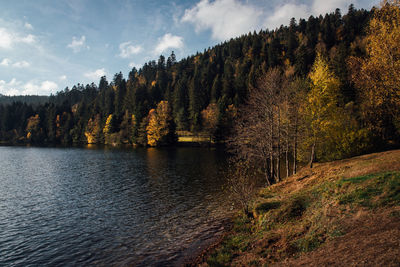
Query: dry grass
(334, 204)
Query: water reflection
(106, 206)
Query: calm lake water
(107, 207)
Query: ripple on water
(101, 207)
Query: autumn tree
(93, 130)
(377, 76)
(257, 134)
(298, 90)
(210, 117)
(334, 131)
(108, 129)
(160, 129)
(322, 103)
(33, 128)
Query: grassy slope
(339, 213)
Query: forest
(323, 88)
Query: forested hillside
(28, 99)
(204, 93)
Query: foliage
(206, 92)
(33, 128)
(160, 129)
(334, 132)
(377, 75)
(210, 117)
(93, 130)
(107, 130)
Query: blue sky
(47, 45)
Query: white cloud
(283, 14)
(29, 39)
(77, 44)
(231, 18)
(15, 87)
(225, 18)
(48, 86)
(63, 77)
(322, 7)
(168, 41)
(21, 64)
(10, 87)
(6, 39)
(95, 75)
(134, 65)
(45, 87)
(28, 26)
(5, 62)
(127, 49)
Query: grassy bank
(339, 213)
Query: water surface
(107, 207)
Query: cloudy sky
(47, 45)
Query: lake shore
(324, 216)
(199, 251)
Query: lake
(108, 207)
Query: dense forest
(28, 99)
(313, 79)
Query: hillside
(27, 99)
(341, 213)
(201, 92)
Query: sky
(47, 45)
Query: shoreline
(198, 252)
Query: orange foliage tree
(160, 129)
(33, 128)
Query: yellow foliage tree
(93, 130)
(108, 126)
(107, 130)
(160, 127)
(32, 127)
(334, 132)
(210, 119)
(377, 76)
(322, 106)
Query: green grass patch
(229, 249)
(301, 221)
(294, 207)
(254, 263)
(242, 224)
(267, 206)
(395, 214)
(308, 243)
(372, 191)
(360, 196)
(358, 179)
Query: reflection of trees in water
(191, 176)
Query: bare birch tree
(267, 127)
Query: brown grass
(323, 217)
